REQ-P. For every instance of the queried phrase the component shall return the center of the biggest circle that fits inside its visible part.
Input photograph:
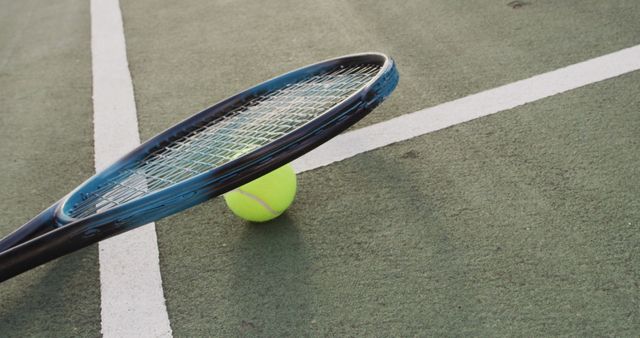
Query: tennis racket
(219, 149)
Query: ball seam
(257, 199)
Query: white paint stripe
(471, 107)
(130, 283)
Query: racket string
(256, 123)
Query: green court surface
(190, 54)
(523, 223)
(46, 142)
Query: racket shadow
(48, 301)
(271, 278)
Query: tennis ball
(265, 198)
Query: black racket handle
(42, 248)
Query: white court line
(131, 297)
(471, 107)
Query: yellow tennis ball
(265, 198)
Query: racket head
(247, 166)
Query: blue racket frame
(54, 233)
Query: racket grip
(46, 247)
(45, 221)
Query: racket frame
(65, 234)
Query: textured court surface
(524, 223)
(46, 141)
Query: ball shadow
(271, 279)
